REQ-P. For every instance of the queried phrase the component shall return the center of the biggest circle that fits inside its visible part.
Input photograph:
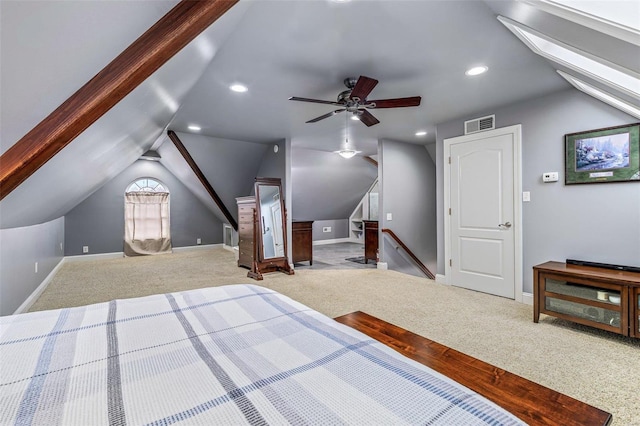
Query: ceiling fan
(354, 100)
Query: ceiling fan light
(355, 117)
(347, 153)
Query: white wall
(596, 222)
(20, 249)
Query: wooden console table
(607, 299)
(370, 240)
(302, 241)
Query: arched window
(146, 216)
(146, 185)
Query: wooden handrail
(370, 160)
(420, 265)
(201, 177)
(142, 58)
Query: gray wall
(408, 192)
(273, 164)
(20, 249)
(98, 222)
(596, 222)
(339, 229)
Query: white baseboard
(38, 291)
(199, 247)
(383, 265)
(333, 241)
(527, 298)
(441, 279)
(96, 256)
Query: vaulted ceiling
(277, 49)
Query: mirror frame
(280, 263)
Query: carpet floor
(597, 367)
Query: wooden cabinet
(246, 237)
(607, 299)
(302, 241)
(370, 240)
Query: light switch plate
(550, 177)
(526, 196)
(389, 216)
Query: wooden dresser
(246, 222)
(370, 240)
(302, 241)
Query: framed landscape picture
(603, 155)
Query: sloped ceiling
(278, 49)
(118, 138)
(327, 186)
(229, 166)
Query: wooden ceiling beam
(134, 65)
(202, 178)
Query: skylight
(614, 76)
(620, 19)
(603, 96)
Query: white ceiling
(278, 49)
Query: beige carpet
(596, 367)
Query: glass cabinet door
(599, 306)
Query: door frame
(516, 132)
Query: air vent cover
(480, 124)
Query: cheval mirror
(270, 229)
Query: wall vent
(480, 124)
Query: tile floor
(333, 256)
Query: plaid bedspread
(240, 354)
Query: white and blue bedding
(239, 354)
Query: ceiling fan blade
(317, 101)
(396, 103)
(322, 117)
(363, 87)
(367, 118)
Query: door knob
(505, 225)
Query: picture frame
(610, 154)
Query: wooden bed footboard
(529, 401)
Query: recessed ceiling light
(240, 88)
(194, 128)
(421, 133)
(476, 70)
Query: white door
(483, 212)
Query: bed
(238, 354)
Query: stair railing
(413, 257)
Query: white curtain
(146, 228)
